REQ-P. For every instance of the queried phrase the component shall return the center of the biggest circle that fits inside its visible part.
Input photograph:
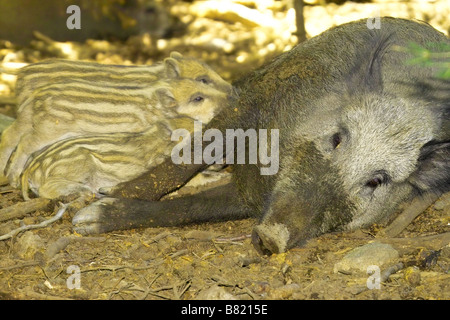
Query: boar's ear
(433, 172)
(166, 98)
(172, 68)
(366, 73)
(176, 55)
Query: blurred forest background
(232, 36)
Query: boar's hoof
(90, 220)
(268, 239)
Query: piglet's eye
(197, 98)
(204, 79)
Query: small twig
(250, 293)
(22, 265)
(156, 238)
(433, 242)
(390, 271)
(121, 289)
(157, 294)
(21, 209)
(43, 224)
(116, 268)
(178, 253)
(154, 292)
(416, 207)
(233, 239)
(219, 249)
(148, 290)
(179, 290)
(222, 281)
(384, 276)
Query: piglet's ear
(176, 55)
(166, 98)
(172, 68)
(433, 173)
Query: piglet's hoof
(94, 218)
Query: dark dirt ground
(213, 260)
(208, 261)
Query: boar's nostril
(259, 245)
(270, 238)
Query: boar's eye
(336, 140)
(373, 183)
(204, 79)
(381, 177)
(197, 98)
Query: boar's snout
(268, 240)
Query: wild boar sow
(360, 131)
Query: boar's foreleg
(157, 182)
(109, 214)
